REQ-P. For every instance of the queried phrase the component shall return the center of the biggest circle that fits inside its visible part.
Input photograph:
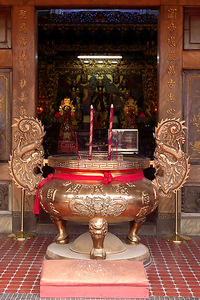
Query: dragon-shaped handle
(26, 160)
(171, 163)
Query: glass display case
(125, 141)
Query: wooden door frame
(24, 56)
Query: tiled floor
(174, 271)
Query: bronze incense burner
(98, 201)
(100, 191)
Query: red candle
(110, 132)
(91, 133)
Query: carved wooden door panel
(5, 118)
(191, 97)
(191, 113)
(5, 85)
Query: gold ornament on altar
(131, 106)
(66, 104)
(66, 142)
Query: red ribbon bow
(107, 178)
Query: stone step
(93, 279)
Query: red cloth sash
(105, 179)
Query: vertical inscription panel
(170, 65)
(5, 28)
(170, 75)
(191, 94)
(24, 75)
(5, 114)
(24, 60)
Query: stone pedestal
(115, 249)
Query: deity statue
(66, 141)
(66, 132)
(129, 114)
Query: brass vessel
(99, 199)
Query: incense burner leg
(98, 228)
(62, 236)
(132, 237)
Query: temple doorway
(124, 73)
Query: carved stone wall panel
(5, 114)
(4, 196)
(166, 204)
(165, 223)
(5, 28)
(190, 224)
(191, 199)
(191, 85)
